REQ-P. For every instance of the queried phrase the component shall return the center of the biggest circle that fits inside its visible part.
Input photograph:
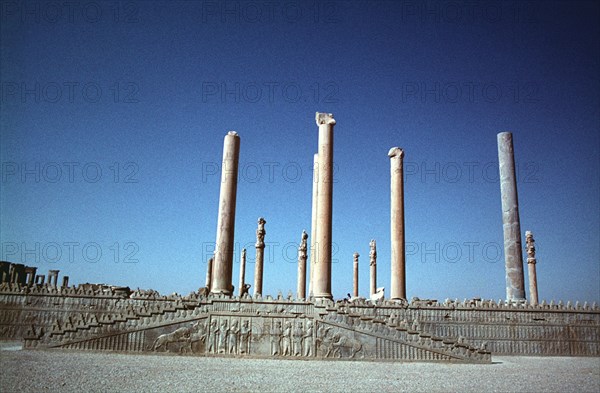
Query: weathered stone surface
(513, 254)
(398, 262)
(222, 269)
(323, 242)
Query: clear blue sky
(113, 117)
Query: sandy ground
(66, 371)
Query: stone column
(322, 274)
(513, 254)
(260, 254)
(355, 287)
(398, 261)
(242, 273)
(209, 266)
(65, 281)
(221, 280)
(531, 262)
(313, 225)
(53, 277)
(373, 264)
(301, 293)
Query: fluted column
(221, 281)
(398, 261)
(323, 242)
(242, 272)
(513, 254)
(301, 293)
(355, 281)
(531, 265)
(313, 225)
(260, 249)
(373, 265)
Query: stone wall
(99, 319)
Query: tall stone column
(531, 262)
(301, 293)
(513, 254)
(355, 281)
(221, 281)
(209, 266)
(373, 264)
(323, 241)
(313, 225)
(260, 255)
(398, 262)
(242, 273)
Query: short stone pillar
(531, 265)
(373, 264)
(209, 266)
(313, 225)
(355, 277)
(40, 279)
(53, 277)
(221, 281)
(242, 288)
(513, 254)
(323, 241)
(260, 256)
(301, 288)
(30, 273)
(398, 257)
(65, 281)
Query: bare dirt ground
(66, 371)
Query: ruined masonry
(213, 321)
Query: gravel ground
(65, 371)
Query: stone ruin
(214, 321)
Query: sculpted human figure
(245, 337)
(298, 334)
(286, 341)
(223, 336)
(308, 339)
(213, 331)
(233, 333)
(275, 339)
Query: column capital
(396, 152)
(233, 133)
(324, 118)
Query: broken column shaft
(513, 254)
(209, 273)
(323, 242)
(355, 281)
(242, 272)
(398, 261)
(221, 281)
